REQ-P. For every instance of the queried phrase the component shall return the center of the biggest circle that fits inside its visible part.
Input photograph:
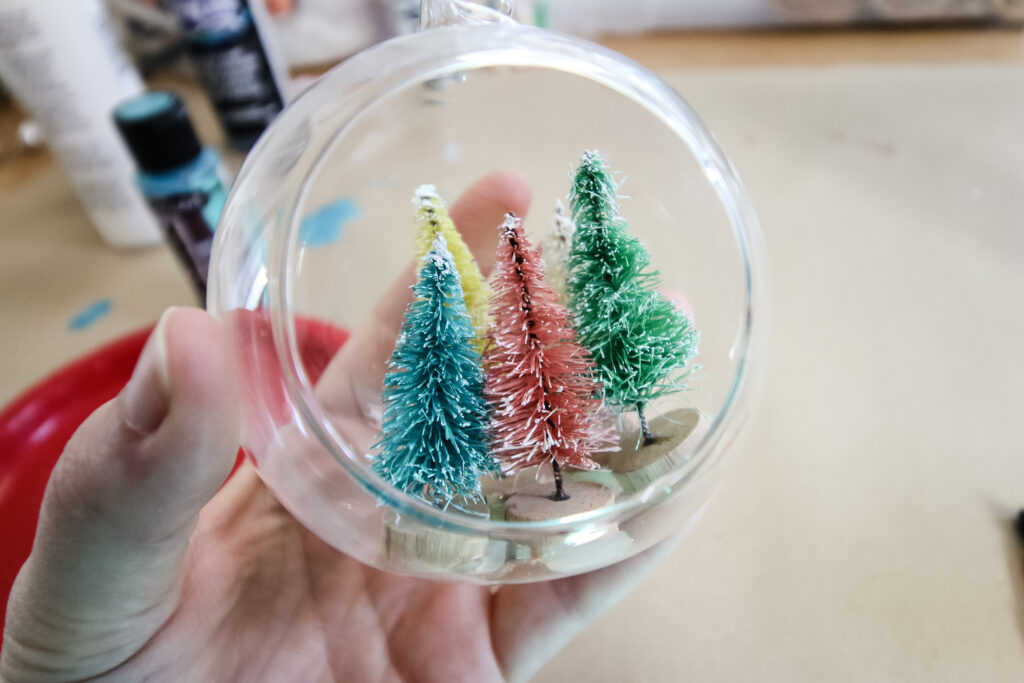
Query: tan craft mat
(859, 534)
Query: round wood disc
(498, 485)
(673, 430)
(533, 503)
(409, 542)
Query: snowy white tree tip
(561, 225)
(559, 208)
(555, 246)
(510, 224)
(426, 195)
(440, 257)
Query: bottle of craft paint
(62, 62)
(236, 63)
(183, 181)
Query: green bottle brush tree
(639, 340)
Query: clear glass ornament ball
(314, 253)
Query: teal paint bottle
(184, 182)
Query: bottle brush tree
(638, 338)
(540, 382)
(555, 249)
(433, 442)
(432, 220)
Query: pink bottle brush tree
(540, 382)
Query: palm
(269, 601)
(264, 599)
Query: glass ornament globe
(314, 258)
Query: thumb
(106, 566)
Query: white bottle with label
(62, 62)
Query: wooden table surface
(861, 532)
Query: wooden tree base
(532, 502)
(497, 485)
(409, 543)
(602, 477)
(582, 558)
(636, 465)
(538, 560)
(497, 488)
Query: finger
(482, 208)
(355, 375)
(533, 622)
(105, 568)
(681, 301)
(477, 213)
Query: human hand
(145, 567)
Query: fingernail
(145, 399)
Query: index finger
(353, 379)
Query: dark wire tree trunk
(559, 493)
(649, 436)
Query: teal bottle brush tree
(433, 442)
(640, 341)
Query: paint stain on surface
(885, 149)
(382, 183)
(879, 147)
(90, 315)
(326, 225)
(452, 151)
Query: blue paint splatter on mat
(90, 315)
(325, 225)
(382, 183)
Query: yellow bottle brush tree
(432, 221)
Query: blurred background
(315, 33)
(233, 64)
(862, 533)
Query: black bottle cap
(158, 131)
